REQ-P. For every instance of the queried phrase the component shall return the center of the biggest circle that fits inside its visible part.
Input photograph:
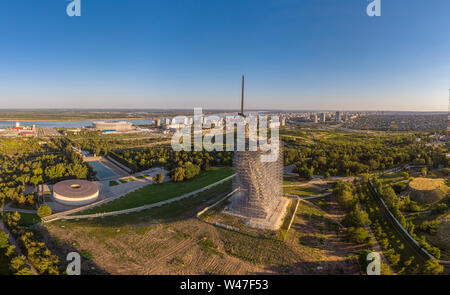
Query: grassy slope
(304, 191)
(159, 192)
(4, 263)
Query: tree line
(357, 154)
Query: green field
(167, 213)
(28, 219)
(4, 263)
(154, 193)
(304, 191)
(113, 183)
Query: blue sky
(304, 54)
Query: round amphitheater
(427, 190)
(112, 125)
(75, 192)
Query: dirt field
(171, 240)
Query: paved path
(319, 181)
(319, 196)
(8, 208)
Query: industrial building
(112, 126)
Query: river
(69, 124)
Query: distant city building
(323, 117)
(338, 116)
(112, 126)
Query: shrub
(158, 178)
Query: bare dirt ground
(173, 241)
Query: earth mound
(427, 190)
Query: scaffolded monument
(259, 198)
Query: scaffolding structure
(448, 115)
(259, 198)
(259, 195)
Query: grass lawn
(289, 180)
(123, 180)
(26, 206)
(4, 263)
(304, 191)
(154, 193)
(391, 178)
(169, 212)
(113, 183)
(28, 219)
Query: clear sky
(295, 54)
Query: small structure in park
(75, 192)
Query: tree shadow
(61, 249)
(330, 267)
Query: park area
(159, 192)
(171, 240)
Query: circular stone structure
(427, 190)
(75, 192)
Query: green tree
(178, 174)
(306, 172)
(191, 170)
(4, 242)
(358, 235)
(432, 267)
(424, 171)
(18, 263)
(44, 211)
(356, 218)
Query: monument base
(272, 221)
